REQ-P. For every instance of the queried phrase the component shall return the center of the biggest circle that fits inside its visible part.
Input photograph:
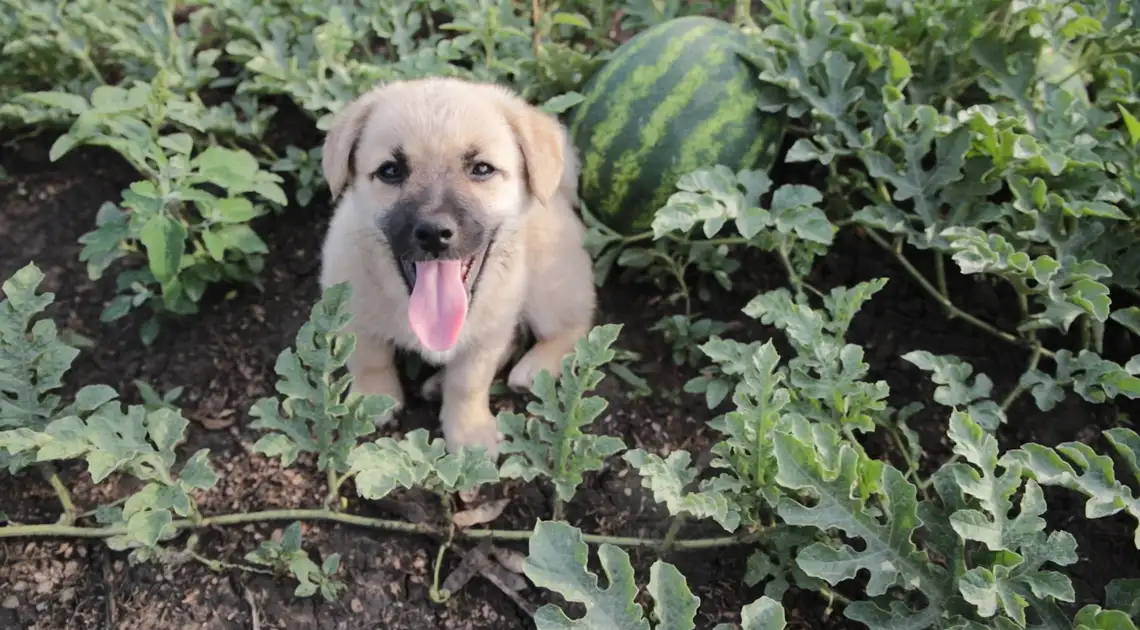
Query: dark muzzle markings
(441, 247)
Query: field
(887, 384)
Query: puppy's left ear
(542, 140)
(338, 152)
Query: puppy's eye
(391, 172)
(482, 170)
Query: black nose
(434, 235)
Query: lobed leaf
(1076, 466)
(380, 467)
(551, 441)
(557, 560)
(814, 459)
(669, 479)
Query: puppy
(454, 225)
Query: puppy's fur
(442, 168)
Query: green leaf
(557, 560)
(33, 359)
(551, 441)
(196, 473)
(762, 614)
(952, 375)
(563, 102)
(147, 526)
(317, 413)
(1093, 617)
(668, 479)
(382, 466)
(1131, 124)
(993, 527)
(793, 210)
(236, 210)
(180, 143)
(816, 460)
(677, 606)
(288, 556)
(71, 103)
(899, 67)
(165, 241)
(1124, 594)
(1077, 467)
(1128, 317)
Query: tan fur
(539, 274)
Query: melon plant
(677, 97)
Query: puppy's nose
(434, 235)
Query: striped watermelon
(676, 98)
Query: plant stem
(940, 274)
(69, 512)
(1019, 389)
(536, 16)
(437, 595)
(56, 530)
(911, 463)
(334, 488)
(218, 566)
(671, 536)
(797, 283)
(952, 310)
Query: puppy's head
(440, 167)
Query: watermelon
(675, 98)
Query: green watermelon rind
(636, 105)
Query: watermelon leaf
(550, 441)
(557, 560)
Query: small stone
(356, 605)
(67, 595)
(11, 603)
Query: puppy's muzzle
(442, 263)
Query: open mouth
(440, 292)
(469, 268)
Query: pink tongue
(438, 304)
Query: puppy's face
(440, 166)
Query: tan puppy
(454, 226)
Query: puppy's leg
(433, 385)
(465, 415)
(373, 369)
(559, 311)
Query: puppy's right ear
(339, 152)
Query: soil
(224, 359)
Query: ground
(224, 358)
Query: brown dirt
(224, 358)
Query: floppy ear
(543, 143)
(339, 151)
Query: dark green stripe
(708, 56)
(659, 127)
(726, 137)
(675, 90)
(629, 89)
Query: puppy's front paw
(521, 378)
(471, 426)
(382, 384)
